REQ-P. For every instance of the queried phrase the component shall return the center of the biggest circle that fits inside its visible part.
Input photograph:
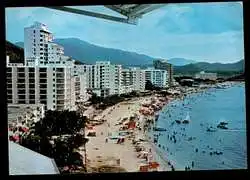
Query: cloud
(202, 18)
(208, 31)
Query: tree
(149, 85)
(60, 122)
(95, 99)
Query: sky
(208, 32)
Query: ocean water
(205, 110)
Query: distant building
(204, 75)
(139, 79)
(23, 161)
(164, 65)
(157, 77)
(104, 78)
(126, 81)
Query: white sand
(125, 152)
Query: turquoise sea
(183, 143)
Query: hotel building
(103, 78)
(126, 81)
(164, 65)
(139, 80)
(157, 77)
(204, 75)
(47, 76)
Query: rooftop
(23, 161)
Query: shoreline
(228, 85)
(126, 152)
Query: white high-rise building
(139, 80)
(80, 83)
(52, 86)
(36, 43)
(205, 75)
(126, 81)
(39, 48)
(47, 76)
(103, 78)
(157, 77)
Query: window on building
(9, 91)
(32, 91)
(31, 96)
(9, 85)
(32, 101)
(31, 86)
(21, 101)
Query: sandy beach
(101, 152)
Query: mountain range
(211, 67)
(89, 53)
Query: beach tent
(144, 168)
(23, 129)
(91, 133)
(143, 154)
(153, 166)
(131, 125)
(15, 138)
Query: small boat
(222, 125)
(187, 119)
(178, 121)
(156, 117)
(159, 129)
(211, 129)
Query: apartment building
(81, 83)
(103, 78)
(157, 77)
(205, 75)
(52, 86)
(138, 79)
(164, 65)
(39, 48)
(36, 43)
(47, 75)
(126, 81)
